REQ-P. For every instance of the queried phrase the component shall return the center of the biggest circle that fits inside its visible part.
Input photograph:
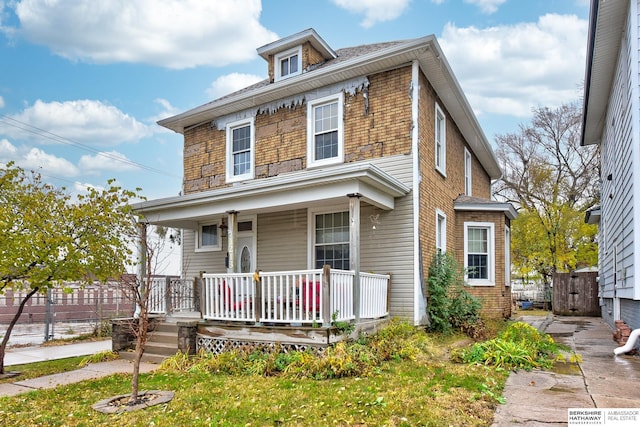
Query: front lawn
(410, 388)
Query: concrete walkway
(600, 380)
(21, 355)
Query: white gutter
(417, 287)
(630, 343)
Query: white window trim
(198, 238)
(491, 245)
(311, 162)
(507, 256)
(441, 162)
(311, 230)
(468, 180)
(230, 127)
(443, 244)
(277, 59)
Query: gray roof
(469, 203)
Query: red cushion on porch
(229, 299)
(308, 291)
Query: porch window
(479, 253)
(288, 63)
(208, 238)
(441, 141)
(240, 150)
(467, 172)
(332, 240)
(324, 131)
(441, 231)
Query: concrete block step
(164, 337)
(151, 358)
(161, 349)
(166, 327)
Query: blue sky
(83, 82)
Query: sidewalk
(600, 380)
(15, 356)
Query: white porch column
(354, 249)
(142, 266)
(232, 239)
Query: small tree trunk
(5, 340)
(141, 340)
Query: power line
(10, 121)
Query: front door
(246, 247)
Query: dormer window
(288, 63)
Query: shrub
(450, 306)
(520, 346)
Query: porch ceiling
(294, 190)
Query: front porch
(293, 309)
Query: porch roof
(468, 203)
(293, 190)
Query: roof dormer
(295, 54)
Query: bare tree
(553, 180)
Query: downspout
(414, 93)
(630, 343)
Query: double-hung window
(441, 231)
(441, 141)
(240, 150)
(479, 253)
(324, 131)
(331, 242)
(207, 238)
(288, 63)
(467, 172)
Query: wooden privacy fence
(576, 294)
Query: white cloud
(512, 69)
(105, 161)
(169, 33)
(7, 151)
(1, 100)
(48, 164)
(228, 83)
(486, 6)
(83, 121)
(374, 11)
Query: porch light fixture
(223, 229)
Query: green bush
(520, 346)
(450, 307)
(398, 340)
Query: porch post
(142, 266)
(354, 249)
(232, 233)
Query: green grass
(40, 369)
(418, 388)
(408, 393)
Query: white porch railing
(171, 294)
(292, 297)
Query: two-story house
(366, 159)
(612, 120)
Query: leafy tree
(553, 180)
(49, 238)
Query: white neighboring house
(612, 120)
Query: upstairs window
(288, 63)
(240, 150)
(467, 172)
(324, 131)
(441, 141)
(479, 253)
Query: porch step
(161, 344)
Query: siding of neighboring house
(617, 229)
